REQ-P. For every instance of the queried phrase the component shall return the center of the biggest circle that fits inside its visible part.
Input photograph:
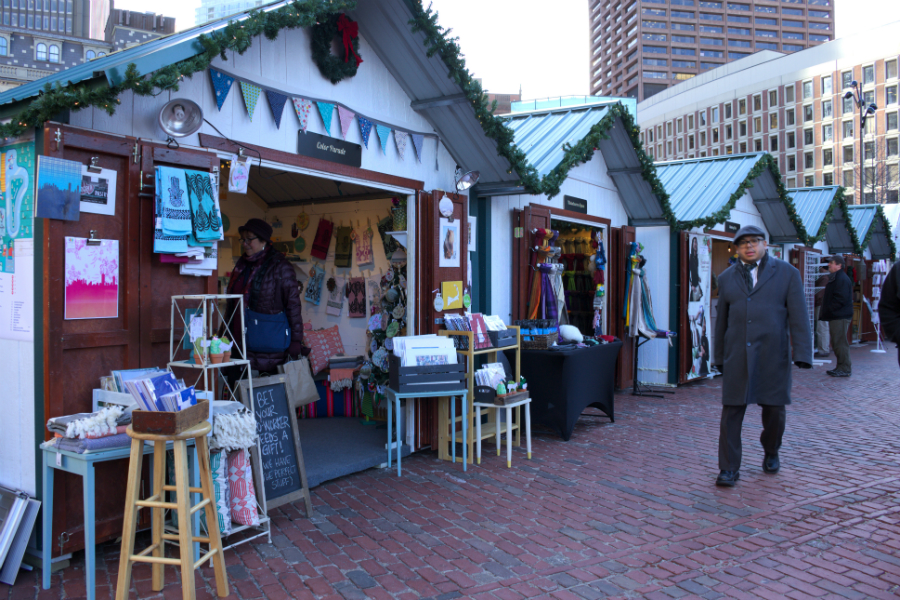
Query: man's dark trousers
(839, 343)
(773, 418)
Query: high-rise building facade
(126, 28)
(796, 108)
(641, 47)
(216, 9)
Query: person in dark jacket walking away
(268, 282)
(889, 306)
(762, 326)
(837, 310)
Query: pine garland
(236, 36)
(839, 201)
(879, 214)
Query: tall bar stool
(155, 553)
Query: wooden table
(498, 407)
(394, 401)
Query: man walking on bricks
(762, 326)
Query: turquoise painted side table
(394, 401)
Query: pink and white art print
(92, 279)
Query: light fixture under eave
(464, 182)
(180, 118)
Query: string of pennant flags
(223, 82)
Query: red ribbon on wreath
(350, 31)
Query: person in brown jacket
(268, 282)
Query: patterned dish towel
(205, 219)
(171, 187)
(341, 379)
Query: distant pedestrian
(823, 345)
(837, 311)
(761, 327)
(889, 306)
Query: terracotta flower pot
(216, 358)
(226, 356)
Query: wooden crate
(169, 423)
(539, 342)
(511, 397)
(431, 378)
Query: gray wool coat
(760, 333)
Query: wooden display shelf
(444, 437)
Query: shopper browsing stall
(269, 285)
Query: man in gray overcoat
(762, 326)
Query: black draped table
(563, 383)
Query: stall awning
(823, 215)
(544, 136)
(703, 191)
(872, 231)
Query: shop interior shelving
(211, 308)
(489, 429)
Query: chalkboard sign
(280, 468)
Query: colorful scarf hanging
(205, 219)
(162, 242)
(322, 240)
(343, 248)
(171, 187)
(356, 297)
(314, 285)
(336, 292)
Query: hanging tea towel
(162, 242)
(363, 240)
(322, 240)
(204, 214)
(356, 297)
(314, 285)
(343, 248)
(336, 297)
(171, 186)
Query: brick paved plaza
(624, 510)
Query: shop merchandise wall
(363, 214)
(653, 359)
(589, 181)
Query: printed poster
(777, 251)
(58, 189)
(699, 272)
(16, 200)
(17, 295)
(92, 279)
(448, 249)
(98, 191)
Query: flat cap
(749, 230)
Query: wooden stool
(155, 553)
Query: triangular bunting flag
(326, 109)
(346, 117)
(276, 103)
(365, 128)
(221, 86)
(383, 135)
(418, 140)
(251, 95)
(401, 138)
(302, 106)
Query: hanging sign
(327, 148)
(732, 227)
(238, 175)
(575, 204)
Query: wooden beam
(418, 105)
(329, 199)
(314, 164)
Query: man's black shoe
(728, 478)
(841, 374)
(771, 464)
(832, 372)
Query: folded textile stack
(93, 445)
(341, 361)
(341, 370)
(90, 432)
(234, 427)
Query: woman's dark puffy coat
(272, 289)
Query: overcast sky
(542, 46)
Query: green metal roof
(870, 223)
(701, 187)
(823, 216)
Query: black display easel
(637, 388)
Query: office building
(211, 10)
(641, 47)
(126, 28)
(794, 107)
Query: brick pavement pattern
(623, 510)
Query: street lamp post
(864, 113)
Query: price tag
(196, 329)
(59, 460)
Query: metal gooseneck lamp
(864, 113)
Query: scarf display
(175, 213)
(164, 243)
(322, 240)
(314, 285)
(335, 302)
(205, 220)
(343, 248)
(363, 241)
(356, 297)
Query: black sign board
(731, 227)
(329, 148)
(280, 466)
(575, 204)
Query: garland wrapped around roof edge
(879, 213)
(837, 202)
(237, 36)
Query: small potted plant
(198, 351)
(399, 213)
(226, 349)
(215, 351)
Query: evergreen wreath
(336, 68)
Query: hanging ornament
(302, 221)
(446, 206)
(467, 300)
(438, 303)
(403, 281)
(399, 312)
(393, 329)
(299, 244)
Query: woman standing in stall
(268, 282)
